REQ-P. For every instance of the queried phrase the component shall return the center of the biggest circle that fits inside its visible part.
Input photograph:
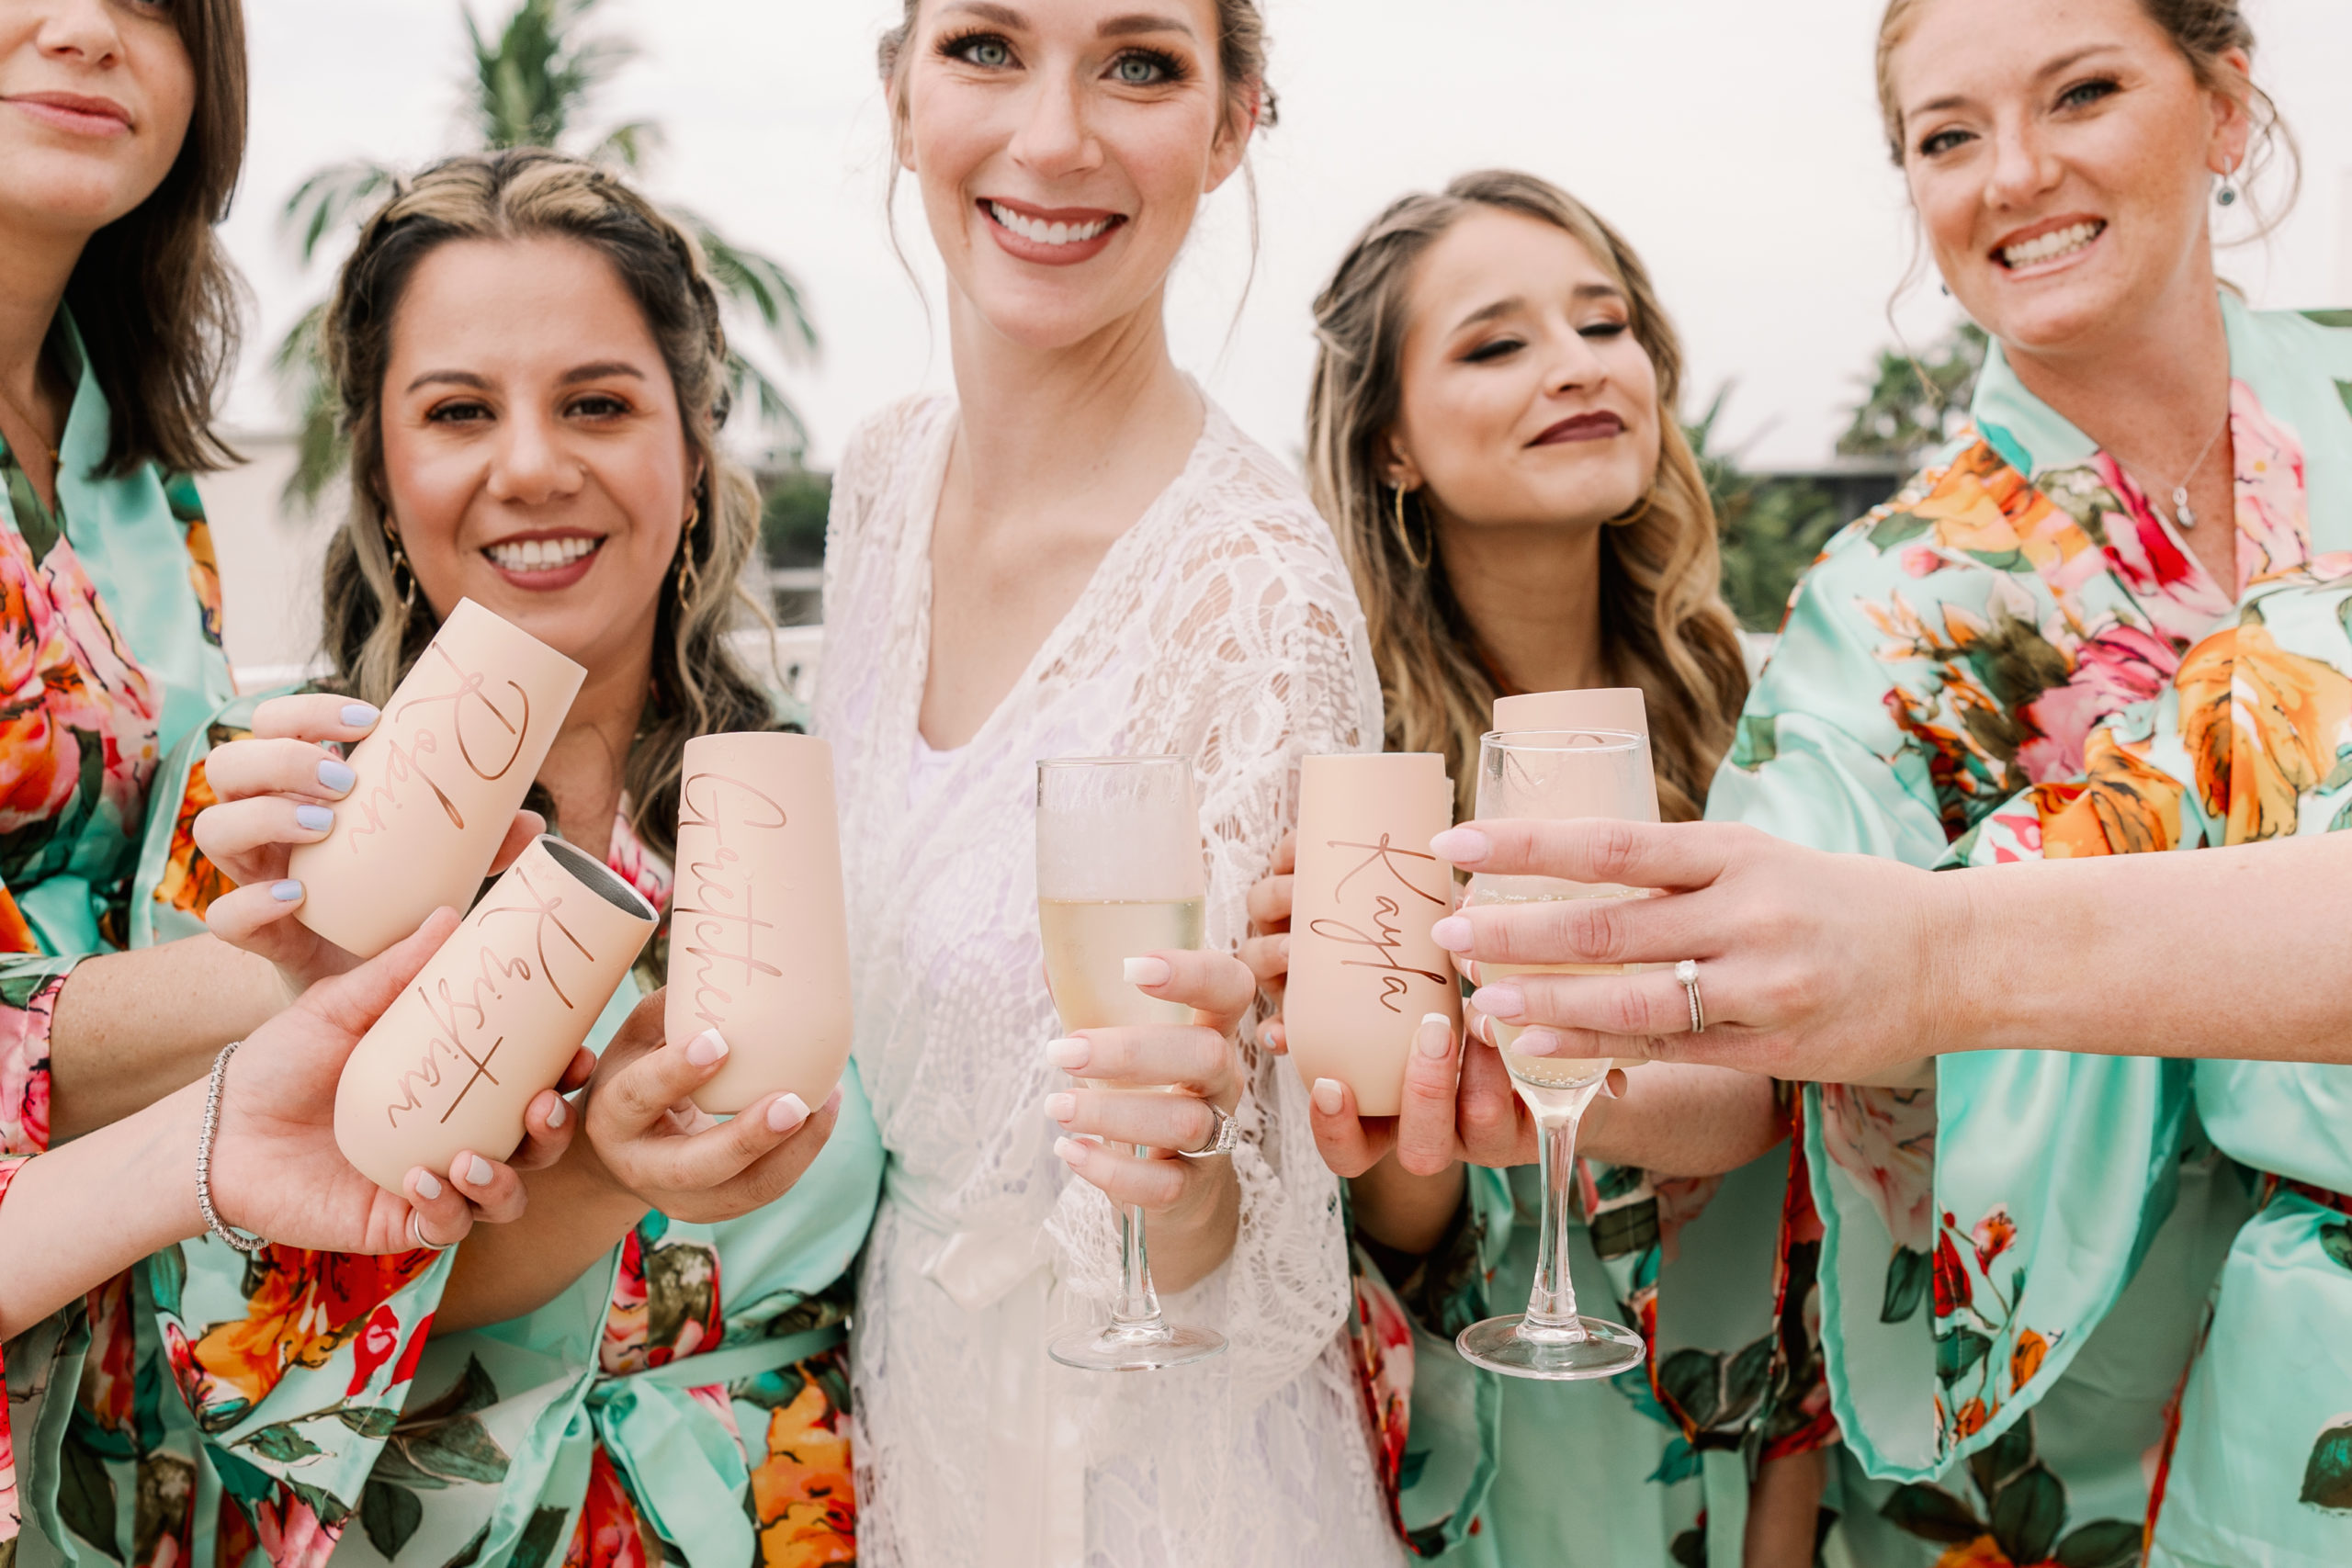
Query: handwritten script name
(466, 1007)
(1385, 918)
(476, 720)
(717, 918)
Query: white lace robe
(1221, 627)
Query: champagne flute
(1555, 774)
(1120, 873)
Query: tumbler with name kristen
(492, 1018)
(759, 934)
(439, 780)
(1363, 969)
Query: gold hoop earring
(1404, 535)
(400, 567)
(689, 574)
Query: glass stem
(1552, 1305)
(1136, 1315)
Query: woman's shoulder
(892, 437)
(1241, 501)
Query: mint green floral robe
(109, 652)
(2015, 1263)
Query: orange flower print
(1970, 1420)
(801, 1493)
(2128, 805)
(609, 1534)
(2263, 725)
(309, 1305)
(15, 932)
(1982, 1552)
(1952, 1287)
(2025, 1358)
(190, 881)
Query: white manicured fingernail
(478, 1173)
(1070, 1150)
(1435, 1036)
(556, 1114)
(706, 1048)
(1068, 1055)
(1452, 933)
(1327, 1095)
(786, 1112)
(1461, 846)
(426, 1186)
(1147, 971)
(1060, 1107)
(1505, 1002)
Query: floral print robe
(110, 651)
(2014, 1263)
(686, 1398)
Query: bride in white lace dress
(1079, 554)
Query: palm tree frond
(322, 203)
(750, 278)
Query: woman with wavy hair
(533, 372)
(1492, 432)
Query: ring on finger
(1687, 972)
(416, 1232)
(1223, 1136)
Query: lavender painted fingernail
(286, 892)
(361, 716)
(478, 1173)
(336, 776)
(426, 1186)
(315, 819)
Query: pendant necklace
(2183, 518)
(34, 425)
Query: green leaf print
(1958, 1351)
(473, 1391)
(461, 1450)
(167, 1278)
(2102, 1543)
(280, 1441)
(86, 1498)
(1897, 529)
(1680, 1462)
(470, 1550)
(540, 1537)
(2327, 318)
(1995, 1466)
(2327, 1476)
(389, 1515)
(2335, 1240)
(1758, 741)
(1690, 1377)
(1931, 1513)
(2344, 390)
(2028, 1513)
(375, 1421)
(2340, 774)
(1907, 1275)
(2342, 819)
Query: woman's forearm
(576, 1214)
(83, 1213)
(1680, 1120)
(1404, 1211)
(132, 1027)
(2236, 953)
(1188, 1244)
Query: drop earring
(2228, 195)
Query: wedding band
(1221, 1142)
(416, 1231)
(1688, 972)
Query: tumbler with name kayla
(492, 1018)
(759, 934)
(1363, 969)
(439, 779)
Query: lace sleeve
(1262, 660)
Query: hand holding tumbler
(492, 1018)
(1363, 969)
(759, 935)
(440, 778)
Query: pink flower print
(1886, 1139)
(23, 1071)
(2115, 667)
(2273, 517)
(1923, 560)
(378, 1338)
(1993, 1235)
(292, 1533)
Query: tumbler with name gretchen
(439, 779)
(1363, 969)
(492, 1018)
(758, 936)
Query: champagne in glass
(1120, 874)
(1555, 774)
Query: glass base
(1117, 1349)
(1511, 1347)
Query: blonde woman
(1077, 553)
(1492, 431)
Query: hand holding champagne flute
(1555, 774)
(1121, 892)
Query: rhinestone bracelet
(212, 1220)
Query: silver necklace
(2182, 517)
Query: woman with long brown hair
(1492, 432)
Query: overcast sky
(1735, 142)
